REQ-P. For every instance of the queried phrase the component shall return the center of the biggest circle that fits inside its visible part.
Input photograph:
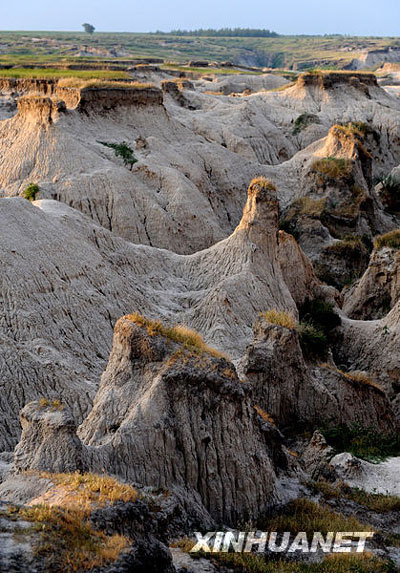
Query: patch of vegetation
(224, 32)
(190, 339)
(339, 563)
(391, 240)
(313, 341)
(122, 150)
(379, 502)
(303, 121)
(351, 247)
(360, 379)
(332, 51)
(279, 317)
(300, 515)
(55, 73)
(317, 319)
(333, 167)
(362, 441)
(362, 130)
(31, 192)
(390, 192)
(262, 183)
(305, 515)
(54, 404)
(90, 488)
(68, 541)
(307, 207)
(321, 314)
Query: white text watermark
(261, 541)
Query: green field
(103, 49)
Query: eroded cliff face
(88, 276)
(165, 416)
(378, 290)
(294, 391)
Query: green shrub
(123, 151)
(320, 314)
(391, 239)
(303, 121)
(31, 192)
(313, 341)
(362, 441)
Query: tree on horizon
(89, 29)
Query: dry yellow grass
(264, 415)
(391, 240)
(54, 404)
(90, 488)
(279, 317)
(262, 183)
(360, 378)
(68, 541)
(355, 378)
(307, 207)
(333, 167)
(306, 515)
(190, 339)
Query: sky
(355, 17)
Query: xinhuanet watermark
(272, 541)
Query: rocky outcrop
(302, 284)
(378, 290)
(42, 110)
(316, 456)
(100, 100)
(166, 416)
(328, 80)
(292, 391)
(175, 89)
(373, 346)
(48, 440)
(340, 213)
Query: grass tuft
(333, 167)
(190, 339)
(279, 317)
(391, 240)
(264, 415)
(262, 183)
